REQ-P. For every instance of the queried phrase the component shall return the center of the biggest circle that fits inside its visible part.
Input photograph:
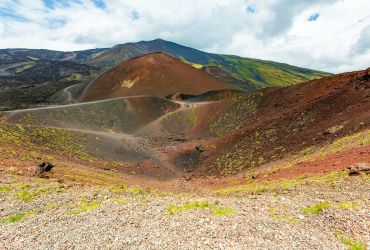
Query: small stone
(199, 148)
(333, 130)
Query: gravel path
(62, 217)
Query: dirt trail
(11, 66)
(184, 105)
(70, 105)
(138, 144)
(69, 94)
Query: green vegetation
(33, 58)
(250, 152)
(254, 187)
(263, 73)
(362, 137)
(191, 205)
(137, 191)
(317, 208)
(321, 206)
(120, 189)
(60, 140)
(195, 65)
(74, 77)
(347, 205)
(247, 71)
(17, 217)
(96, 178)
(28, 193)
(5, 188)
(246, 153)
(23, 68)
(27, 196)
(357, 139)
(233, 117)
(273, 212)
(351, 243)
(180, 121)
(86, 206)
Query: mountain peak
(246, 73)
(156, 74)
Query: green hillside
(262, 73)
(246, 73)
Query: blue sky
(313, 17)
(331, 35)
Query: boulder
(42, 168)
(358, 168)
(333, 130)
(199, 148)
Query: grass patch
(118, 201)
(86, 206)
(240, 107)
(61, 141)
(317, 208)
(5, 188)
(273, 212)
(351, 243)
(17, 217)
(86, 176)
(27, 196)
(120, 189)
(33, 58)
(137, 191)
(23, 68)
(347, 205)
(254, 187)
(191, 205)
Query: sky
(328, 35)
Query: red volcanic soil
(287, 121)
(222, 133)
(155, 74)
(332, 162)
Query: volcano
(155, 74)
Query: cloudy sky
(330, 35)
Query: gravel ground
(129, 219)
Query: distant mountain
(30, 77)
(155, 74)
(246, 73)
(33, 82)
(11, 56)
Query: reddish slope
(155, 74)
(250, 130)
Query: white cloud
(278, 29)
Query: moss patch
(191, 205)
(85, 206)
(317, 208)
(241, 107)
(17, 217)
(254, 187)
(60, 140)
(350, 243)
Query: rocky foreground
(329, 212)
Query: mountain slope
(155, 74)
(11, 56)
(33, 77)
(247, 73)
(34, 82)
(220, 132)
